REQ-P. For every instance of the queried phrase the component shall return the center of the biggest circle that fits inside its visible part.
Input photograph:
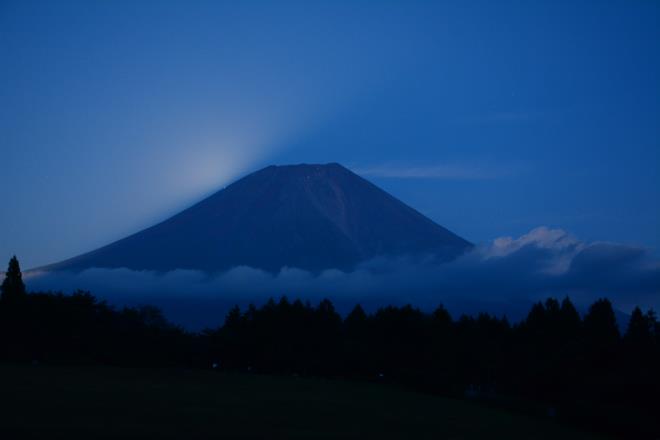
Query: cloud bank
(501, 276)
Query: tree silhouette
(640, 328)
(13, 288)
(570, 319)
(441, 319)
(356, 322)
(600, 325)
(536, 322)
(234, 319)
(601, 349)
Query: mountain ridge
(309, 216)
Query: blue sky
(492, 118)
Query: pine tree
(570, 320)
(441, 318)
(536, 322)
(13, 288)
(640, 329)
(234, 318)
(356, 321)
(600, 325)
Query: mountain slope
(313, 217)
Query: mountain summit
(312, 217)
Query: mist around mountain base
(502, 277)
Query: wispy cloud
(439, 171)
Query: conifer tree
(570, 320)
(13, 287)
(356, 321)
(600, 325)
(640, 329)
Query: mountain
(312, 217)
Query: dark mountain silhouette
(313, 217)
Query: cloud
(444, 171)
(501, 276)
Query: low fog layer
(500, 277)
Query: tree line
(579, 368)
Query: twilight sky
(492, 118)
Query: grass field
(100, 402)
